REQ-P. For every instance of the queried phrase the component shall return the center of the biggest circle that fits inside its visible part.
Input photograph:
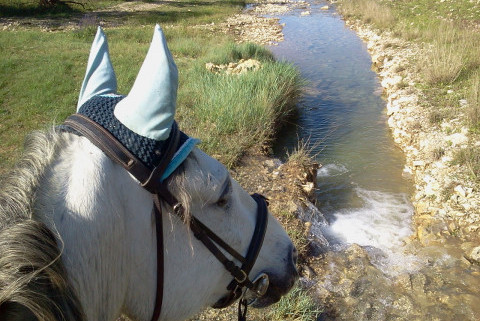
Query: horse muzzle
(270, 287)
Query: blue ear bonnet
(100, 110)
(142, 120)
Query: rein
(150, 180)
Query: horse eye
(222, 202)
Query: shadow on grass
(31, 14)
(182, 4)
(31, 10)
(151, 16)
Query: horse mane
(33, 279)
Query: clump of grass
(302, 244)
(436, 117)
(445, 61)
(298, 305)
(470, 158)
(85, 32)
(303, 153)
(403, 84)
(232, 113)
(474, 101)
(399, 68)
(447, 191)
(471, 39)
(234, 52)
(438, 153)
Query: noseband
(150, 180)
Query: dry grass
(469, 158)
(370, 11)
(446, 59)
(449, 32)
(304, 153)
(298, 305)
(474, 101)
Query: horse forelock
(33, 280)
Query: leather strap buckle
(242, 278)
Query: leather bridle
(150, 180)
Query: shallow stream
(361, 192)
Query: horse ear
(149, 108)
(100, 77)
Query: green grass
(445, 62)
(443, 26)
(235, 112)
(298, 305)
(474, 102)
(39, 79)
(369, 11)
(41, 73)
(446, 29)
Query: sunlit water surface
(361, 190)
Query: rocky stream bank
(446, 201)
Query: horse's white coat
(105, 221)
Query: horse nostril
(294, 255)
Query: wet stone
(475, 254)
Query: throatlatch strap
(160, 259)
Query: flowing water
(361, 191)
(360, 187)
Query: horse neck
(105, 222)
(89, 201)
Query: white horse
(78, 240)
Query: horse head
(105, 218)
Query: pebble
(475, 254)
(308, 187)
(418, 163)
(460, 191)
